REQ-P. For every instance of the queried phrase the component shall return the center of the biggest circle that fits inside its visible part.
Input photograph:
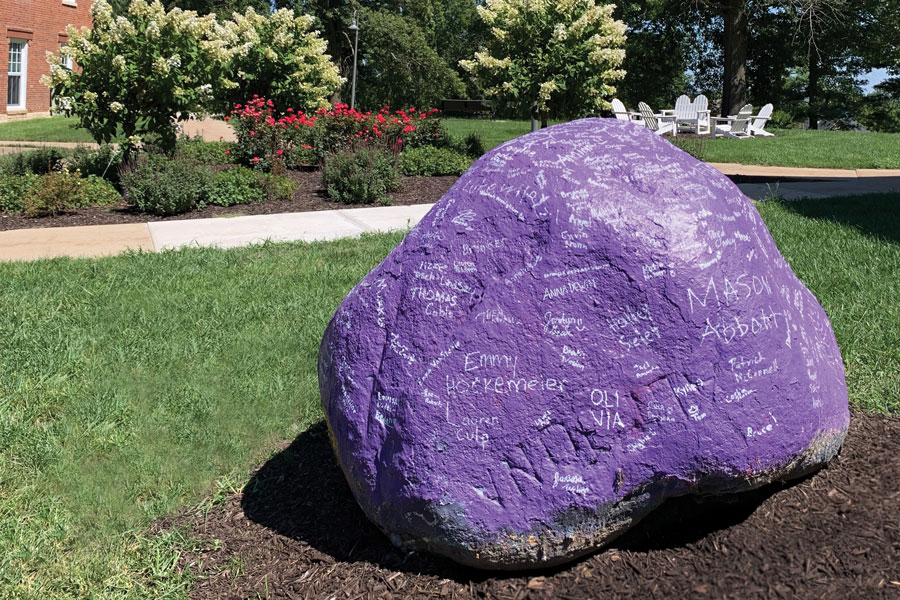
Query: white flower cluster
(176, 59)
(577, 31)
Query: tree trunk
(333, 40)
(737, 37)
(543, 119)
(812, 90)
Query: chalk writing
(573, 357)
(571, 483)
(729, 292)
(543, 420)
(561, 325)
(573, 287)
(738, 395)
(726, 330)
(658, 269)
(607, 408)
(401, 349)
(473, 361)
(645, 369)
(502, 385)
(497, 315)
(385, 408)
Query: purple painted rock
(589, 322)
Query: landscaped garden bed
(309, 195)
(282, 161)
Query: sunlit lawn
(789, 147)
(49, 129)
(132, 387)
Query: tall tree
(658, 50)
(398, 67)
(452, 28)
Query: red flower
(278, 152)
(408, 128)
(256, 159)
(252, 133)
(227, 152)
(227, 118)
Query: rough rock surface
(589, 322)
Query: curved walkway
(104, 240)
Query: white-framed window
(65, 61)
(17, 74)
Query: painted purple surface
(588, 322)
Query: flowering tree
(280, 57)
(140, 71)
(564, 55)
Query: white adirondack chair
(622, 113)
(737, 127)
(692, 116)
(701, 105)
(684, 108)
(758, 124)
(658, 124)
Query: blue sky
(875, 77)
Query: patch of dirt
(297, 532)
(309, 196)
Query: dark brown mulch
(309, 196)
(296, 532)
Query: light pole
(354, 27)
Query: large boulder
(589, 322)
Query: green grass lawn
(789, 147)
(50, 129)
(804, 148)
(132, 387)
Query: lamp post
(354, 27)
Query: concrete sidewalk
(104, 240)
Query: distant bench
(466, 107)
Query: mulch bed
(296, 532)
(309, 196)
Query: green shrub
(102, 162)
(238, 185)
(55, 195)
(473, 145)
(360, 176)
(14, 189)
(204, 153)
(163, 186)
(781, 120)
(429, 161)
(278, 187)
(59, 192)
(39, 162)
(95, 191)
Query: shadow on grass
(872, 214)
(301, 493)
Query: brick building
(29, 28)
